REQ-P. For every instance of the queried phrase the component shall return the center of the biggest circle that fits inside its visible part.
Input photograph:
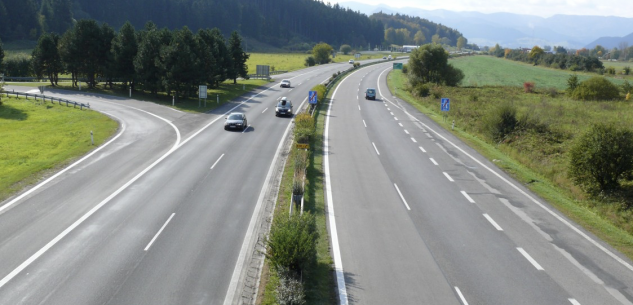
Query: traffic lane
(563, 250)
(377, 260)
(161, 197)
(30, 223)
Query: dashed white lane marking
(159, 231)
(422, 149)
(216, 162)
(429, 135)
(358, 107)
(461, 296)
(573, 301)
(530, 259)
(432, 160)
(402, 197)
(391, 113)
(414, 141)
(493, 222)
(395, 118)
(264, 110)
(364, 123)
(406, 131)
(468, 197)
(449, 177)
(389, 109)
(400, 124)
(372, 143)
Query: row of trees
(558, 60)
(27, 19)
(157, 59)
(408, 30)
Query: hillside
(611, 42)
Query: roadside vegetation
(39, 138)
(550, 130)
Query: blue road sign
(312, 97)
(446, 104)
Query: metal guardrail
(266, 76)
(44, 97)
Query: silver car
(285, 83)
(236, 120)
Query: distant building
(408, 49)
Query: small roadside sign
(446, 104)
(202, 91)
(312, 97)
(397, 66)
(303, 146)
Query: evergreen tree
(223, 58)
(181, 64)
(57, 15)
(46, 59)
(70, 54)
(207, 50)
(124, 50)
(1, 56)
(147, 61)
(238, 57)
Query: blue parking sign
(446, 104)
(312, 97)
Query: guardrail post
(92, 139)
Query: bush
(422, 90)
(501, 122)
(405, 69)
(297, 186)
(304, 121)
(321, 89)
(552, 92)
(437, 91)
(596, 88)
(574, 67)
(528, 87)
(572, 84)
(626, 70)
(601, 158)
(356, 64)
(290, 290)
(626, 87)
(291, 244)
(300, 158)
(310, 61)
(610, 70)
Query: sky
(543, 8)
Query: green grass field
(491, 71)
(295, 61)
(37, 138)
(536, 159)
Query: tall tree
(57, 16)
(207, 50)
(238, 58)
(429, 64)
(321, 53)
(181, 64)
(147, 64)
(88, 36)
(1, 56)
(419, 38)
(461, 42)
(45, 58)
(70, 54)
(124, 50)
(223, 58)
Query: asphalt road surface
(163, 213)
(418, 217)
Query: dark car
(236, 120)
(370, 94)
(284, 107)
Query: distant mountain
(611, 42)
(515, 30)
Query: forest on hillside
(293, 24)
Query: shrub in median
(601, 158)
(292, 242)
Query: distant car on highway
(284, 107)
(236, 120)
(370, 94)
(351, 61)
(285, 83)
(384, 57)
(389, 57)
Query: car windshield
(235, 117)
(371, 91)
(284, 104)
(285, 81)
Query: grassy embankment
(295, 61)
(38, 138)
(537, 159)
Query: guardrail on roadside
(44, 97)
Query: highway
(167, 212)
(418, 217)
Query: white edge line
(448, 177)
(230, 294)
(372, 143)
(574, 302)
(402, 197)
(16, 199)
(159, 231)
(461, 296)
(216, 162)
(433, 160)
(493, 222)
(468, 197)
(529, 258)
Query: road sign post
(312, 97)
(446, 106)
(397, 66)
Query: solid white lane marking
(216, 162)
(468, 197)
(432, 160)
(264, 110)
(402, 197)
(574, 302)
(529, 258)
(449, 177)
(400, 124)
(364, 123)
(406, 131)
(372, 143)
(461, 296)
(422, 149)
(493, 222)
(161, 230)
(414, 141)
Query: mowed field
(491, 71)
(296, 61)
